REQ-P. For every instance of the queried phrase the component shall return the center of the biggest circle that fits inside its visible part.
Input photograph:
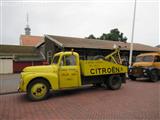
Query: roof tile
(28, 40)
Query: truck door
(69, 72)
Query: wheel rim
(38, 90)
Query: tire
(99, 57)
(38, 90)
(132, 77)
(114, 82)
(154, 76)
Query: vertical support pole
(131, 44)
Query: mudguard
(52, 78)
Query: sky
(79, 18)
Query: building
(14, 58)
(30, 40)
(36, 50)
(88, 48)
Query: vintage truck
(67, 71)
(147, 65)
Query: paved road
(136, 100)
(9, 83)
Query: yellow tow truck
(67, 71)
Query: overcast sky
(80, 18)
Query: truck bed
(101, 67)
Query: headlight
(145, 72)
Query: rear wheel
(154, 76)
(114, 82)
(38, 90)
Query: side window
(157, 59)
(68, 60)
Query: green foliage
(114, 35)
(91, 37)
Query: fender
(149, 69)
(51, 77)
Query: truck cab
(147, 65)
(62, 73)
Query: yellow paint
(69, 76)
(144, 64)
(101, 67)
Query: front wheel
(154, 76)
(38, 90)
(114, 82)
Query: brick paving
(136, 100)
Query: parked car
(147, 65)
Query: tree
(114, 35)
(91, 37)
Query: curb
(6, 93)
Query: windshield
(148, 58)
(55, 59)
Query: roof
(72, 42)
(20, 52)
(28, 40)
(154, 54)
(16, 49)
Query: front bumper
(21, 86)
(138, 72)
(19, 89)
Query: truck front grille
(137, 70)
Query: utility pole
(132, 37)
